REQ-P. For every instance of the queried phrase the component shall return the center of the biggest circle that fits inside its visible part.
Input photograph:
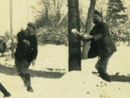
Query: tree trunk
(58, 15)
(74, 40)
(11, 27)
(88, 28)
(46, 7)
(46, 14)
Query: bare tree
(51, 11)
(88, 28)
(46, 6)
(101, 6)
(11, 27)
(56, 8)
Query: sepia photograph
(64, 48)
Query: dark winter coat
(102, 44)
(23, 51)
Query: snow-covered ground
(51, 79)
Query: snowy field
(51, 79)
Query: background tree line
(52, 22)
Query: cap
(32, 24)
(98, 13)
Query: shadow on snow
(34, 73)
(54, 75)
(117, 78)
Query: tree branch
(36, 9)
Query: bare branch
(36, 9)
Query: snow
(51, 79)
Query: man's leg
(101, 66)
(22, 68)
(28, 82)
(4, 91)
(22, 75)
(19, 67)
(27, 75)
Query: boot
(29, 88)
(28, 82)
(104, 75)
(4, 91)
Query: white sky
(19, 15)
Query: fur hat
(32, 24)
(98, 13)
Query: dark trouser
(102, 63)
(3, 89)
(22, 68)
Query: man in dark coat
(26, 53)
(101, 45)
